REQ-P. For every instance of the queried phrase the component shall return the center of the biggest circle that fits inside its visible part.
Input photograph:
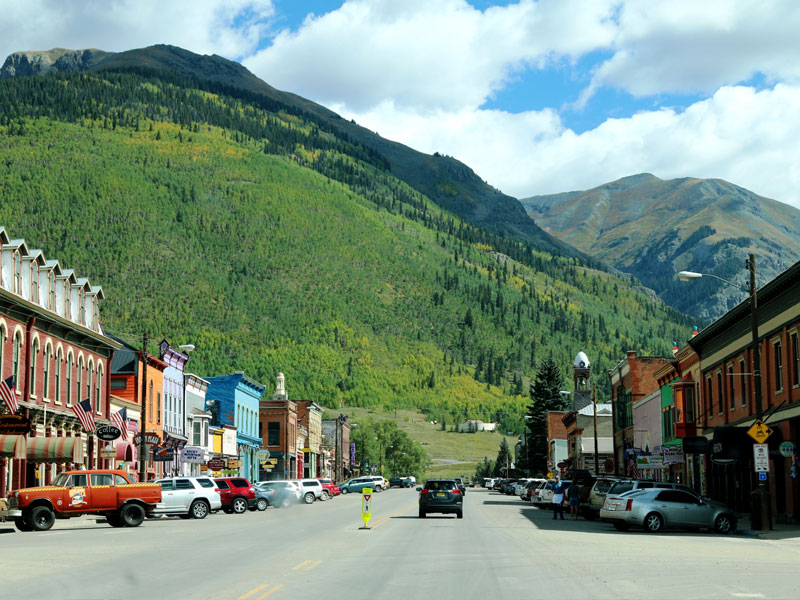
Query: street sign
(762, 476)
(149, 438)
(366, 505)
(759, 432)
(550, 475)
(234, 463)
(761, 458)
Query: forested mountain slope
(653, 228)
(214, 217)
(445, 180)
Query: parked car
(310, 490)
(527, 492)
(440, 496)
(488, 482)
(461, 485)
(236, 493)
(508, 488)
(597, 495)
(545, 497)
(285, 492)
(627, 485)
(122, 502)
(188, 497)
(657, 508)
(357, 484)
(379, 483)
(264, 498)
(329, 488)
(401, 482)
(535, 495)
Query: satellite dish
(187, 347)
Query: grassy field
(452, 454)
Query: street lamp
(766, 502)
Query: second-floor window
(721, 391)
(79, 379)
(709, 397)
(743, 379)
(81, 307)
(59, 360)
(98, 390)
(69, 380)
(17, 273)
(48, 351)
(732, 387)
(688, 403)
(34, 282)
(197, 433)
(776, 349)
(273, 434)
(795, 360)
(32, 378)
(51, 291)
(16, 356)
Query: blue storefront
(234, 400)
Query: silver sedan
(655, 509)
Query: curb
(749, 533)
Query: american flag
(7, 391)
(83, 410)
(633, 469)
(119, 419)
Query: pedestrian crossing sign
(759, 431)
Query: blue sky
(537, 96)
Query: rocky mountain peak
(41, 62)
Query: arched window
(58, 386)
(79, 379)
(16, 356)
(69, 379)
(48, 356)
(89, 373)
(32, 378)
(98, 390)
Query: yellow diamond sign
(759, 431)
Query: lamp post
(766, 502)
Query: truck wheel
(132, 515)
(198, 509)
(42, 518)
(114, 520)
(23, 525)
(239, 505)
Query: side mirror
(419, 489)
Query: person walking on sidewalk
(558, 499)
(574, 496)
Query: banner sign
(163, 454)
(673, 455)
(352, 454)
(216, 464)
(15, 425)
(149, 438)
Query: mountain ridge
(445, 180)
(652, 228)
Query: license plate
(612, 507)
(440, 494)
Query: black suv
(400, 482)
(440, 496)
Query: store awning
(126, 451)
(55, 449)
(12, 446)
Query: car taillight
(457, 491)
(629, 504)
(253, 490)
(216, 490)
(423, 491)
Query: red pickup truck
(108, 493)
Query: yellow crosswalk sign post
(366, 506)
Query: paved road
(501, 549)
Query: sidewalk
(780, 531)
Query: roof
(602, 410)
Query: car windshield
(620, 487)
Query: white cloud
(747, 137)
(432, 56)
(231, 28)
(686, 46)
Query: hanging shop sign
(107, 433)
(149, 438)
(15, 425)
(193, 455)
(108, 452)
(216, 464)
(163, 454)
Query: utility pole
(763, 488)
(596, 455)
(143, 414)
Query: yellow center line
(301, 565)
(312, 566)
(251, 592)
(275, 589)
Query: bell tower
(582, 378)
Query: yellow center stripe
(275, 589)
(251, 592)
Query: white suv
(188, 497)
(310, 489)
